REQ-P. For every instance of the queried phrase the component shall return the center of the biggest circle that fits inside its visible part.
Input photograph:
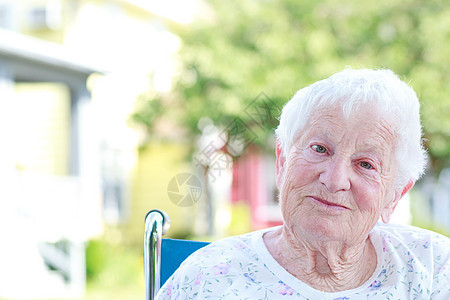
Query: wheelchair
(162, 256)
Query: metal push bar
(156, 224)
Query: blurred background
(110, 108)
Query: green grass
(96, 291)
(113, 272)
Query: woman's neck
(325, 266)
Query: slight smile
(326, 204)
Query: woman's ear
(387, 211)
(281, 159)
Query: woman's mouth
(327, 204)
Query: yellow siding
(157, 165)
(42, 127)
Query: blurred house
(70, 73)
(254, 183)
(50, 197)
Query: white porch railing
(44, 223)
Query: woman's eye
(319, 149)
(365, 165)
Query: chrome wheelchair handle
(157, 223)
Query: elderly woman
(348, 149)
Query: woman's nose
(335, 176)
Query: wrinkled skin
(335, 182)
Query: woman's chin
(323, 229)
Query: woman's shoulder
(411, 234)
(413, 245)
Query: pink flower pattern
(221, 268)
(285, 289)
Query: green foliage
(110, 264)
(95, 259)
(148, 109)
(276, 47)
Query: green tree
(275, 47)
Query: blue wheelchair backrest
(162, 256)
(174, 252)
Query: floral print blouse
(412, 263)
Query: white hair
(349, 89)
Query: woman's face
(338, 176)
